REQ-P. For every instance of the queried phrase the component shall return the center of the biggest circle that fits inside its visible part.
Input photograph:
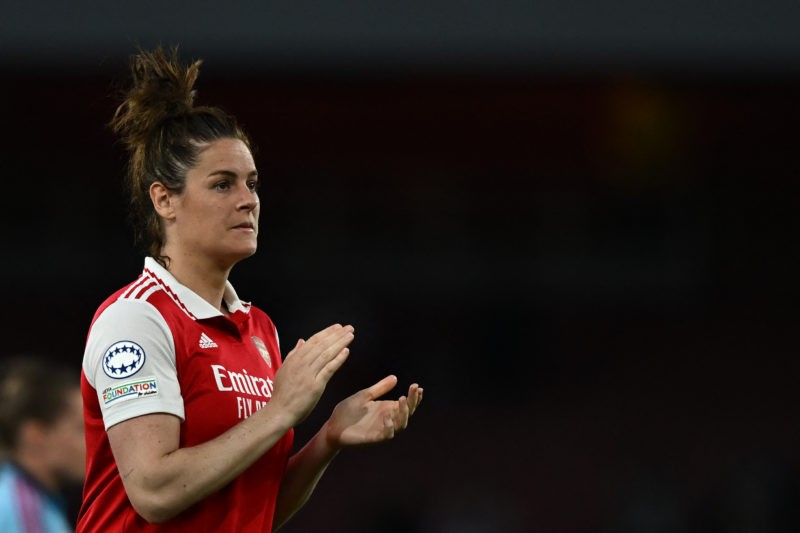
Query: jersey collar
(197, 306)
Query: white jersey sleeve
(130, 362)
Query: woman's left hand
(363, 419)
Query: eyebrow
(231, 174)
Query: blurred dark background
(573, 223)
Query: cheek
(70, 433)
(199, 221)
(73, 451)
(195, 206)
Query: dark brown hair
(164, 134)
(32, 388)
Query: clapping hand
(363, 419)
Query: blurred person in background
(41, 424)
(189, 408)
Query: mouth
(244, 226)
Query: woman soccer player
(188, 407)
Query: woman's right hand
(306, 370)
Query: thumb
(381, 387)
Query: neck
(203, 276)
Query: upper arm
(139, 443)
(130, 362)
(139, 446)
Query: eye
(253, 185)
(223, 185)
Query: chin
(238, 255)
(252, 249)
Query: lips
(244, 225)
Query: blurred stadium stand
(575, 225)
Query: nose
(248, 198)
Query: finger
(401, 421)
(331, 331)
(420, 394)
(380, 388)
(327, 371)
(297, 346)
(414, 397)
(320, 340)
(331, 351)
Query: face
(65, 447)
(216, 215)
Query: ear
(162, 199)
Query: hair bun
(162, 89)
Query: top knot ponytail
(164, 133)
(162, 89)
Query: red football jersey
(157, 347)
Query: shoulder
(146, 292)
(9, 519)
(263, 320)
(7, 476)
(142, 303)
(133, 290)
(258, 314)
(123, 314)
(126, 328)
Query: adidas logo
(206, 342)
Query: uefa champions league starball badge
(123, 359)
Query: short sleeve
(130, 362)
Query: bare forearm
(162, 479)
(303, 472)
(162, 488)
(359, 419)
